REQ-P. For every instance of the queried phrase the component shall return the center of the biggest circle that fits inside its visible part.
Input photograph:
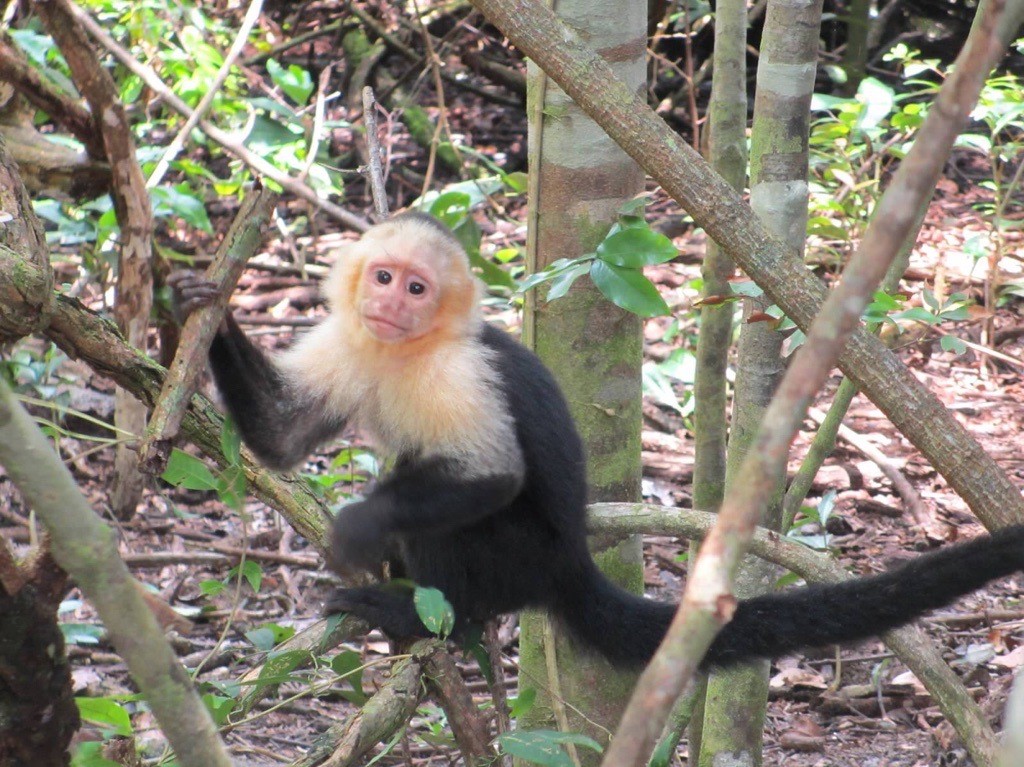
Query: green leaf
(253, 573)
(491, 273)
(189, 472)
(523, 703)
(516, 182)
(544, 747)
(747, 288)
(629, 289)
(434, 610)
(278, 633)
(952, 344)
(553, 270)
(219, 706)
(279, 666)
(349, 665)
(635, 207)
(563, 281)
(82, 633)
(918, 314)
(295, 81)
(261, 638)
(231, 486)
(450, 207)
(170, 201)
(90, 754)
(878, 100)
(107, 713)
(211, 588)
(636, 247)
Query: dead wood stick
(197, 334)
(374, 168)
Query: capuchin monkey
(487, 498)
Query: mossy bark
(581, 179)
(733, 725)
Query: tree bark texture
(580, 180)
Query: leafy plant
(111, 718)
(544, 747)
(616, 266)
(452, 207)
(819, 514)
(189, 472)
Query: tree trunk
(580, 179)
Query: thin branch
(178, 143)
(346, 743)
(374, 167)
(900, 483)
(317, 132)
(466, 720)
(84, 546)
(241, 241)
(414, 56)
(133, 297)
(707, 601)
(42, 94)
(221, 137)
(684, 175)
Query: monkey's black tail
(627, 629)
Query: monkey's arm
(278, 423)
(428, 498)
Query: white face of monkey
(399, 296)
(406, 280)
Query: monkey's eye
(417, 288)
(383, 277)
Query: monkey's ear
(342, 282)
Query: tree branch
(87, 549)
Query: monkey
(487, 497)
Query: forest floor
(867, 711)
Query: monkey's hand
(190, 291)
(358, 538)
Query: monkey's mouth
(384, 328)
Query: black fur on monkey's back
(532, 551)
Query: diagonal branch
(223, 138)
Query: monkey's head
(406, 280)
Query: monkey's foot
(391, 611)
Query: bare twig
(316, 134)
(223, 138)
(238, 245)
(176, 145)
(397, 45)
(374, 169)
(900, 483)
